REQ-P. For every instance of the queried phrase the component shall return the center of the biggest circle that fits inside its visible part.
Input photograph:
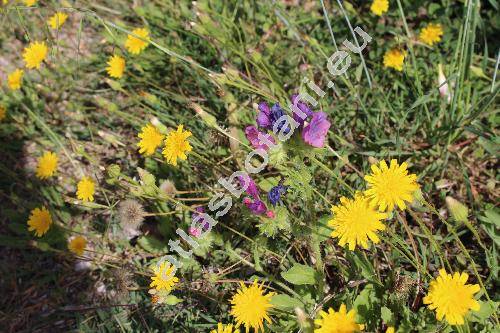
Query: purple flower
(252, 134)
(302, 107)
(276, 113)
(198, 215)
(276, 192)
(257, 207)
(263, 118)
(315, 132)
(252, 188)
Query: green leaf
(366, 304)
(151, 244)
(365, 266)
(421, 100)
(387, 316)
(485, 311)
(285, 302)
(300, 274)
(491, 224)
(172, 300)
(279, 223)
(322, 230)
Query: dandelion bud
(113, 171)
(457, 210)
(205, 116)
(443, 85)
(302, 318)
(168, 187)
(372, 160)
(158, 124)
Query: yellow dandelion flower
(30, 3)
(379, 7)
(86, 189)
(225, 329)
(337, 322)
(15, 79)
(250, 306)
(77, 245)
(176, 145)
(57, 20)
(451, 297)
(3, 113)
(135, 45)
(164, 278)
(390, 329)
(394, 58)
(40, 221)
(151, 139)
(431, 34)
(355, 220)
(47, 165)
(116, 66)
(34, 54)
(390, 186)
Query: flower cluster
(176, 143)
(254, 202)
(357, 220)
(314, 125)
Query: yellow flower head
(431, 34)
(34, 54)
(225, 329)
(355, 220)
(164, 278)
(135, 45)
(390, 186)
(3, 113)
(390, 329)
(451, 297)
(77, 245)
(379, 7)
(176, 145)
(250, 306)
(47, 165)
(151, 139)
(116, 66)
(30, 3)
(394, 58)
(40, 221)
(337, 322)
(15, 79)
(57, 20)
(85, 189)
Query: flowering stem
(428, 233)
(412, 240)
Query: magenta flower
(252, 134)
(200, 221)
(252, 189)
(196, 232)
(257, 207)
(316, 131)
